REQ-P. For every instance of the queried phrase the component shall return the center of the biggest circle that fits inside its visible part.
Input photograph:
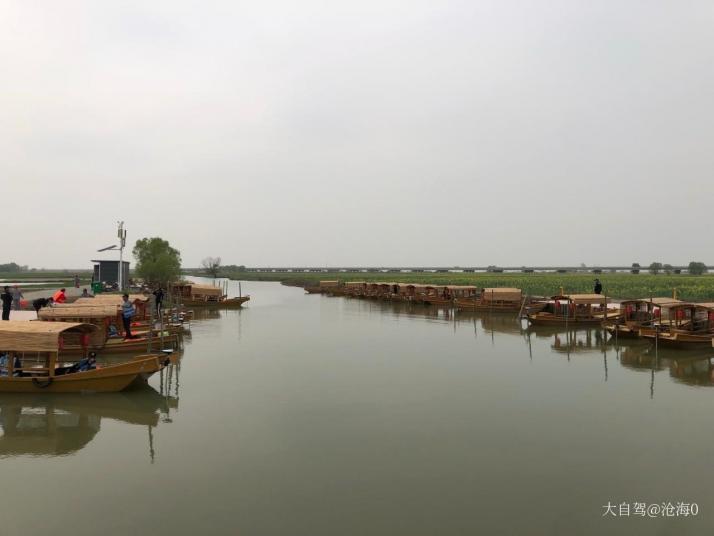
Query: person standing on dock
(159, 295)
(598, 287)
(76, 281)
(16, 298)
(6, 298)
(127, 312)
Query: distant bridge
(456, 269)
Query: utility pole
(121, 234)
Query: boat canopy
(59, 313)
(659, 301)
(687, 305)
(107, 299)
(582, 299)
(501, 294)
(205, 290)
(330, 283)
(23, 336)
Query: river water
(309, 415)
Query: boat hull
(496, 307)
(228, 302)
(621, 331)
(109, 379)
(680, 340)
(548, 319)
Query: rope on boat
(42, 385)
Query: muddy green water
(309, 415)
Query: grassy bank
(48, 279)
(699, 288)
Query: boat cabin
(106, 318)
(575, 309)
(355, 288)
(501, 295)
(193, 292)
(682, 316)
(28, 350)
(646, 310)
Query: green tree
(10, 267)
(157, 263)
(635, 268)
(667, 268)
(655, 268)
(697, 268)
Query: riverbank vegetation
(45, 279)
(616, 285)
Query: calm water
(309, 415)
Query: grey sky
(371, 132)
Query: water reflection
(62, 424)
(684, 367)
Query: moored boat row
(666, 321)
(463, 297)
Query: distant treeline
(12, 267)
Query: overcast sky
(360, 133)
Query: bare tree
(212, 265)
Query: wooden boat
(332, 287)
(196, 295)
(447, 294)
(355, 289)
(35, 347)
(636, 314)
(493, 299)
(574, 309)
(411, 292)
(381, 290)
(107, 320)
(687, 325)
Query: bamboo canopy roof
(23, 336)
(107, 299)
(583, 299)
(658, 301)
(204, 290)
(99, 311)
(687, 305)
(502, 294)
(505, 290)
(331, 283)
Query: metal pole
(121, 234)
